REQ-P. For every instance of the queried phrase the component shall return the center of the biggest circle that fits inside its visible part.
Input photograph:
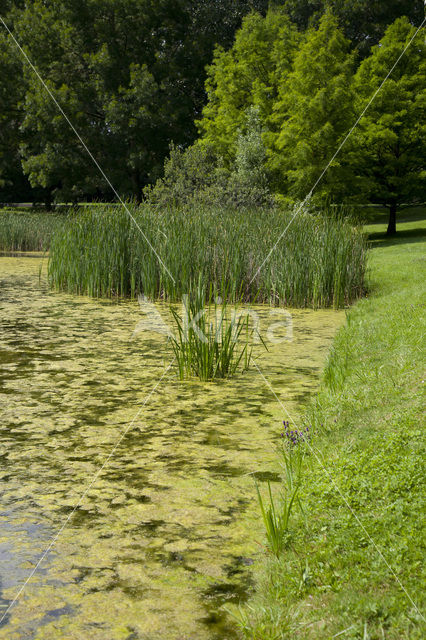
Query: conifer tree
(388, 148)
(313, 111)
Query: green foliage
(248, 75)
(88, 77)
(369, 448)
(276, 524)
(248, 182)
(313, 112)
(387, 149)
(210, 343)
(364, 22)
(198, 174)
(187, 173)
(11, 92)
(302, 88)
(130, 76)
(27, 231)
(250, 154)
(100, 252)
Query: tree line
(267, 89)
(307, 90)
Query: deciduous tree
(130, 76)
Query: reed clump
(319, 262)
(210, 340)
(27, 231)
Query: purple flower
(295, 436)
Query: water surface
(170, 529)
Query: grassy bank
(101, 252)
(352, 568)
(23, 230)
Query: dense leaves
(388, 148)
(363, 21)
(272, 89)
(313, 111)
(247, 75)
(130, 76)
(309, 95)
(11, 91)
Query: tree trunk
(392, 219)
(137, 185)
(48, 200)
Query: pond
(170, 529)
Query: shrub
(197, 175)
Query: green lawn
(353, 567)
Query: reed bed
(320, 261)
(27, 231)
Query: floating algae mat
(170, 529)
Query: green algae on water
(171, 529)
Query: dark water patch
(151, 526)
(226, 592)
(215, 597)
(239, 567)
(266, 476)
(224, 469)
(54, 614)
(235, 509)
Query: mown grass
(27, 230)
(101, 253)
(338, 578)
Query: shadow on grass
(380, 239)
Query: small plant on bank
(276, 523)
(210, 342)
(277, 518)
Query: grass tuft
(210, 342)
(277, 518)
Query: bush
(198, 175)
